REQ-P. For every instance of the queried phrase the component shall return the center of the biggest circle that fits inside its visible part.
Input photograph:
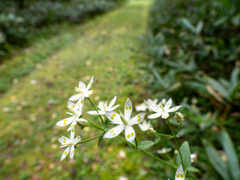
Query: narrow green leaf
(199, 27)
(106, 123)
(217, 86)
(185, 151)
(234, 77)
(233, 162)
(100, 139)
(220, 21)
(192, 169)
(188, 24)
(145, 144)
(158, 77)
(216, 160)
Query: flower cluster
(123, 121)
(75, 110)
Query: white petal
(72, 152)
(88, 93)
(114, 107)
(141, 107)
(112, 102)
(157, 109)
(64, 139)
(65, 153)
(95, 112)
(129, 133)
(75, 97)
(165, 115)
(100, 105)
(82, 86)
(168, 104)
(114, 117)
(144, 126)
(114, 131)
(179, 173)
(174, 108)
(72, 134)
(90, 84)
(79, 104)
(65, 122)
(72, 125)
(136, 119)
(76, 140)
(128, 109)
(154, 116)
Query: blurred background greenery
(184, 49)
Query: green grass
(104, 47)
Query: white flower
(179, 173)
(76, 112)
(141, 107)
(144, 126)
(151, 103)
(69, 143)
(164, 150)
(193, 157)
(163, 111)
(125, 122)
(104, 107)
(83, 91)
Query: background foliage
(20, 20)
(193, 52)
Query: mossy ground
(106, 47)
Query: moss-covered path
(104, 47)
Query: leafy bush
(193, 49)
(190, 44)
(16, 22)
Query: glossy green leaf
(145, 144)
(188, 24)
(234, 78)
(199, 27)
(232, 157)
(217, 86)
(216, 160)
(192, 169)
(185, 151)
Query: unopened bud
(163, 101)
(82, 122)
(179, 116)
(151, 130)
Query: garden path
(106, 47)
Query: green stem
(166, 135)
(158, 159)
(97, 112)
(179, 127)
(149, 154)
(90, 139)
(96, 127)
(155, 157)
(176, 142)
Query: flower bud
(163, 101)
(179, 116)
(151, 130)
(82, 122)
